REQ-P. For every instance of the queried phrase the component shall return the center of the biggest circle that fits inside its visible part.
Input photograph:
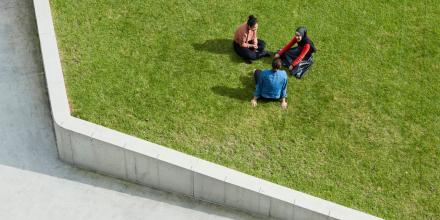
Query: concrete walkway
(34, 184)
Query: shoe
(269, 54)
(264, 54)
(248, 61)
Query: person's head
(300, 33)
(276, 64)
(252, 22)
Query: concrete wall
(106, 151)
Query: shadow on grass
(219, 46)
(243, 93)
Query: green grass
(362, 129)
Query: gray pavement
(34, 184)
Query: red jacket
(304, 50)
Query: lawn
(362, 128)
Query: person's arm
(287, 47)
(257, 92)
(301, 56)
(284, 89)
(255, 45)
(284, 93)
(283, 103)
(244, 42)
(254, 101)
(255, 39)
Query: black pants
(301, 69)
(250, 54)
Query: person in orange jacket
(246, 43)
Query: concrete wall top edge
(108, 135)
(211, 170)
(79, 126)
(43, 16)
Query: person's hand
(291, 67)
(283, 104)
(276, 56)
(254, 103)
(255, 46)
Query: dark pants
(301, 69)
(250, 54)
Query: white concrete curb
(106, 151)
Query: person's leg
(245, 53)
(261, 45)
(290, 56)
(261, 52)
(249, 54)
(257, 74)
(293, 53)
(302, 68)
(236, 47)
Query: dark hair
(252, 20)
(276, 64)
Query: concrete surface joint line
(109, 152)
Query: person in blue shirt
(271, 84)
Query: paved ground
(34, 184)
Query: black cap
(302, 31)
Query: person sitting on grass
(246, 44)
(271, 84)
(298, 59)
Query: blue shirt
(271, 85)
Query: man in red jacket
(299, 59)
